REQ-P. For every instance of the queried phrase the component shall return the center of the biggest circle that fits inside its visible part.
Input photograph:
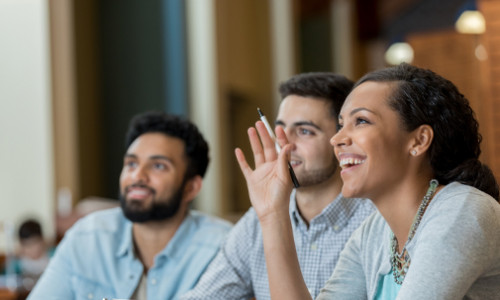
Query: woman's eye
(361, 121)
(339, 126)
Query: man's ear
(422, 140)
(192, 188)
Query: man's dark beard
(160, 209)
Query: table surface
(6, 294)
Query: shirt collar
(177, 242)
(340, 211)
(335, 215)
(181, 239)
(126, 244)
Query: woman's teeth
(348, 162)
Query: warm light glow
(481, 53)
(471, 22)
(398, 53)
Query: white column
(342, 31)
(204, 95)
(26, 159)
(282, 44)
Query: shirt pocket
(87, 289)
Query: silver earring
(413, 152)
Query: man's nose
(140, 174)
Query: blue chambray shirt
(96, 260)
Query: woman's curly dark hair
(420, 97)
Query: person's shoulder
(104, 229)
(205, 230)
(458, 195)
(247, 227)
(249, 218)
(210, 222)
(465, 204)
(107, 220)
(456, 188)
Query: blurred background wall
(73, 73)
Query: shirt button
(314, 246)
(153, 281)
(90, 296)
(336, 227)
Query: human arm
(269, 187)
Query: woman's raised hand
(269, 184)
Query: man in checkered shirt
(322, 219)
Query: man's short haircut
(196, 148)
(330, 87)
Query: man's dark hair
(30, 228)
(196, 148)
(326, 86)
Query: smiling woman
(370, 140)
(409, 141)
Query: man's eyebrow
(152, 157)
(299, 123)
(162, 157)
(279, 123)
(306, 123)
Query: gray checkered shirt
(239, 269)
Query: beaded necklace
(401, 262)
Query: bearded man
(154, 246)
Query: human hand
(269, 184)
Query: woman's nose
(340, 139)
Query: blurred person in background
(34, 252)
(153, 246)
(30, 259)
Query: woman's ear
(421, 140)
(192, 188)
